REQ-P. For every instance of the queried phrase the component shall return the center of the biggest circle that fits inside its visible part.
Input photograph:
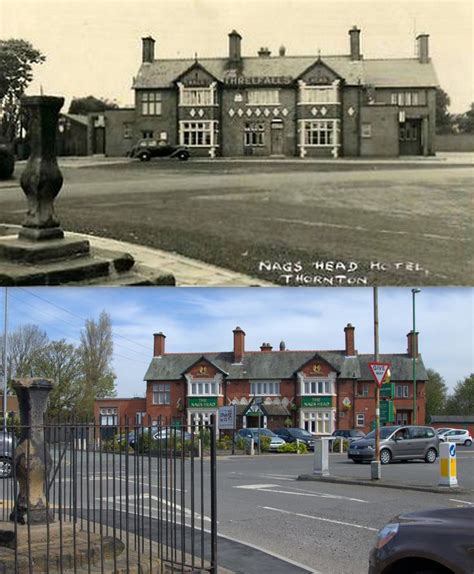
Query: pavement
(187, 272)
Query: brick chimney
(412, 345)
(354, 34)
(265, 347)
(158, 344)
(422, 43)
(264, 53)
(234, 47)
(148, 50)
(350, 340)
(239, 345)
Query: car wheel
(6, 468)
(385, 456)
(144, 156)
(183, 156)
(468, 442)
(430, 456)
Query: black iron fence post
(213, 486)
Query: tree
(436, 392)
(90, 104)
(444, 120)
(465, 121)
(61, 362)
(461, 402)
(24, 345)
(96, 352)
(17, 58)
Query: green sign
(387, 391)
(202, 402)
(253, 410)
(387, 412)
(316, 402)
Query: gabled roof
(79, 118)
(281, 365)
(396, 73)
(205, 359)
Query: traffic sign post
(380, 372)
(447, 464)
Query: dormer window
(192, 96)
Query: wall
(384, 131)
(126, 409)
(166, 122)
(177, 397)
(454, 142)
(116, 145)
(73, 140)
(350, 122)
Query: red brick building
(319, 390)
(284, 105)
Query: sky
(200, 320)
(94, 46)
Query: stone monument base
(60, 549)
(68, 261)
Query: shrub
(7, 163)
(300, 448)
(336, 445)
(241, 443)
(265, 443)
(225, 443)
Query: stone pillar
(42, 179)
(32, 459)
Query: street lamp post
(414, 352)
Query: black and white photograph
(238, 142)
(158, 158)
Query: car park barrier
(447, 464)
(321, 457)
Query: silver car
(397, 443)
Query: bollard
(321, 457)
(447, 464)
(252, 447)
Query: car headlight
(384, 536)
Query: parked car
(443, 430)
(397, 443)
(255, 433)
(350, 435)
(428, 542)
(459, 436)
(145, 149)
(7, 443)
(294, 434)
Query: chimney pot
(422, 41)
(282, 346)
(235, 40)
(412, 345)
(282, 51)
(265, 348)
(148, 50)
(354, 34)
(264, 53)
(350, 340)
(158, 344)
(239, 345)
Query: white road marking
(320, 518)
(278, 477)
(256, 486)
(267, 487)
(463, 501)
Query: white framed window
(360, 419)
(161, 393)
(254, 134)
(151, 103)
(366, 130)
(318, 422)
(401, 391)
(197, 96)
(108, 416)
(319, 95)
(198, 134)
(205, 389)
(323, 387)
(408, 98)
(263, 97)
(265, 388)
(320, 133)
(139, 417)
(363, 390)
